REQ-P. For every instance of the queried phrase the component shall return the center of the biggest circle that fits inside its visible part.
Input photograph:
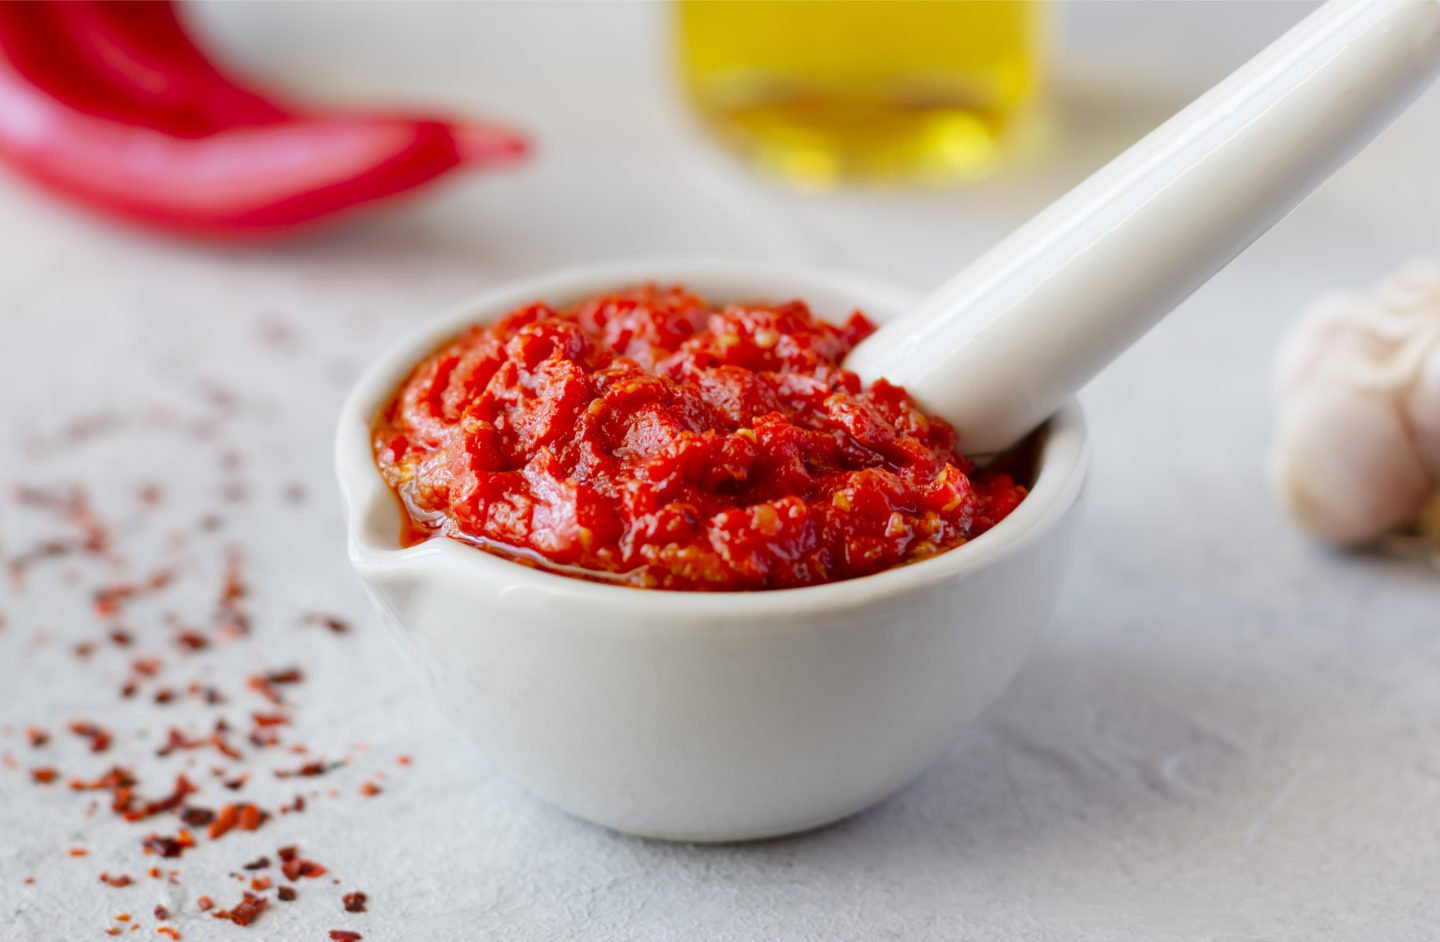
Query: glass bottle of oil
(825, 90)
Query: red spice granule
(169, 932)
(29, 880)
(265, 684)
(78, 852)
(286, 893)
(232, 620)
(355, 902)
(113, 930)
(197, 817)
(116, 881)
(204, 904)
(170, 846)
(243, 817)
(162, 913)
(369, 789)
(337, 625)
(260, 884)
(259, 863)
(295, 867)
(192, 641)
(244, 912)
(114, 780)
(122, 917)
(45, 775)
(98, 736)
(170, 802)
(177, 739)
(109, 600)
(84, 649)
(402, 760)
(344, 935)
(147, 666)
(36, 736)
(310, 769)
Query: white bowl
(710, 716)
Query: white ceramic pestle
(999, 347)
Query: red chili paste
(654, 439)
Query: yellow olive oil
(827, 90)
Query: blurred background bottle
(828, 90)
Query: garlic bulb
(1356, 453)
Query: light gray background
(1227, 733)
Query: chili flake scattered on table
(147, 632)
(657, 440)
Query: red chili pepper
(113, 105)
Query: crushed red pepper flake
(344, 935)
(99, 737)
(334, 623)
(169, 846)
(266, 684)
(169, 932)
(45, 775)
(192, 641)
(116, 778)
(355, 902)
(110, 600)
(197, 817)
(147, 666)
(370, 789)
(109, 603)
(246, 911)
(240, 817)
(177, 739)
(310, 769)
(183, 789)
(232, 620)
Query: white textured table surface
(1227, 733)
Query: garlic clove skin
(1356, 452)
(1422, 407)
(1343, 465)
